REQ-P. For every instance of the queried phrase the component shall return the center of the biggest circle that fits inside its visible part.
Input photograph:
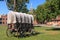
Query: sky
(35, 3)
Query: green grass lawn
(45, 34)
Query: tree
(20, 5)
(41, 16)
(50, 9)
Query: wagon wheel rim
(9, 33)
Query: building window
(0, 22)
(3, 22)
(0, 18)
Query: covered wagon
(19, 22)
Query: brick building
(55, 21)
(0, 20)
(3, 19)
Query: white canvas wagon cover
(11, 18)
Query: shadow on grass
(28, 35)
(53, 29)
(37, 26)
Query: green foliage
(50, 9)
(20, 5)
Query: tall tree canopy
(20, 5)
(50, 9)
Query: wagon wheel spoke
(9, 33)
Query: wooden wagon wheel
(9, 33)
